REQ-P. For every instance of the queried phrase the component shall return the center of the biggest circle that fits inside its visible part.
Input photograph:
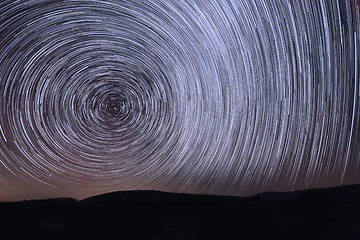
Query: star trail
(227, 97)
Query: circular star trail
(217, 97)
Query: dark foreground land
(332, 213)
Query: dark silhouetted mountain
(332, 213)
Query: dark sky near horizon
(231, 97)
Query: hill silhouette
(332, 213)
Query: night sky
(227, 97)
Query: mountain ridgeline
(332, 213)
